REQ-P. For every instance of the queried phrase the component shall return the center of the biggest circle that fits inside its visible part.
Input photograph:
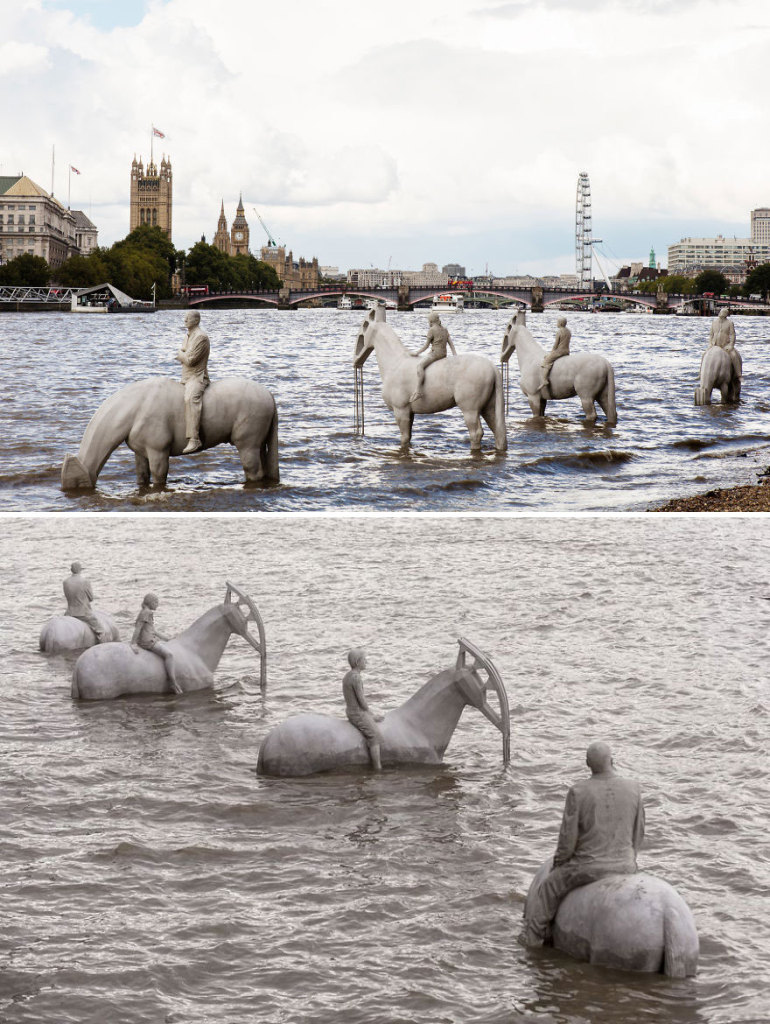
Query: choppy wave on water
(150, 874)
(304, 357)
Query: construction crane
(271, 242)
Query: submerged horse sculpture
(114, 669)
(717, 371)
(468, 381)
(66, 633)
(149, 416)
(416, 733)
(635, 922)
(585, 374)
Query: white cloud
(439, 120)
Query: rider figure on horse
(358, 711)
(722, 333)
(146, 636)
(193, 354)
(560, 348)
(437, 340)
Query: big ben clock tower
(239, 232)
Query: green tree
(758, 281)
(711, 281)
(83, 271)
(26, 270)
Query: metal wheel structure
(583, 240)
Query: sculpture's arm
(195, 353)
(420, 351)
(449, 342)
(568, 834)
(358, 690)
(137, 631)
(89, 592)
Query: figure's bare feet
(176, 688)
(192, 446)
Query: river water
(58, 368)
(150, 875)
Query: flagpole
(53, 162)
(152, 133)
(69, 187)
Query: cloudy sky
(405, 131)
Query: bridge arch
(208, 300)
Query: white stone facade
(32, 221)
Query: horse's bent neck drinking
(435, 710)
(207, 637)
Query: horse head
(509, 338)
(474, 690)
(239, 613)
(364, 343)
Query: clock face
(238, 236)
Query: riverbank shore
(748, 498)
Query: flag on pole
(74, 169)
(158, 134)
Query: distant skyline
(441, 131)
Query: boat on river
(448, 303)
(345, 302)
(106, 298)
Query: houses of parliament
(235, 242)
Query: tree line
(757, 283)
(145, 257)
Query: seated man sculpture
(437, 341)
(560, 348)
(722, 333)
(146, 636)
(79, 594)
(601, 831)
(193, 354)
(358, 711)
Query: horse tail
(607, 400)
(498, 397)
(270, 451)
(680, 941)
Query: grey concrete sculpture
(721, 365)
(470, 382)
(151, 417)
(418, 732)
(116, 669)
(193, 354)
(634, 922)
(590, 900)
(81, 626)
(585, 374)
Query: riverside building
(33, 221)
(734, 257)
(151, 194)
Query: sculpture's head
(434, 318)
(150, 601)
(561, 322)
(723, 312)
(357, 658)
(599, 757)
(191, 319)
(364, 344)
(75, 568)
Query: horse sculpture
(115, 669)
(468, 381)
(717, 371)
(418, 732)
(634, 922)
(149, 416)
(585, 374)
(65, 633)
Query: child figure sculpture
(358, 711)
(146, 636)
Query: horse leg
(588, 408)
(142, 470)
(537, 404)
(475, 430)
(158, 461)
(251, 461)
(404, 420)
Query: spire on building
(652, 256)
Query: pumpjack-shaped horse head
(418, 732)
(115, 669)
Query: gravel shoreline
(749, 498)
